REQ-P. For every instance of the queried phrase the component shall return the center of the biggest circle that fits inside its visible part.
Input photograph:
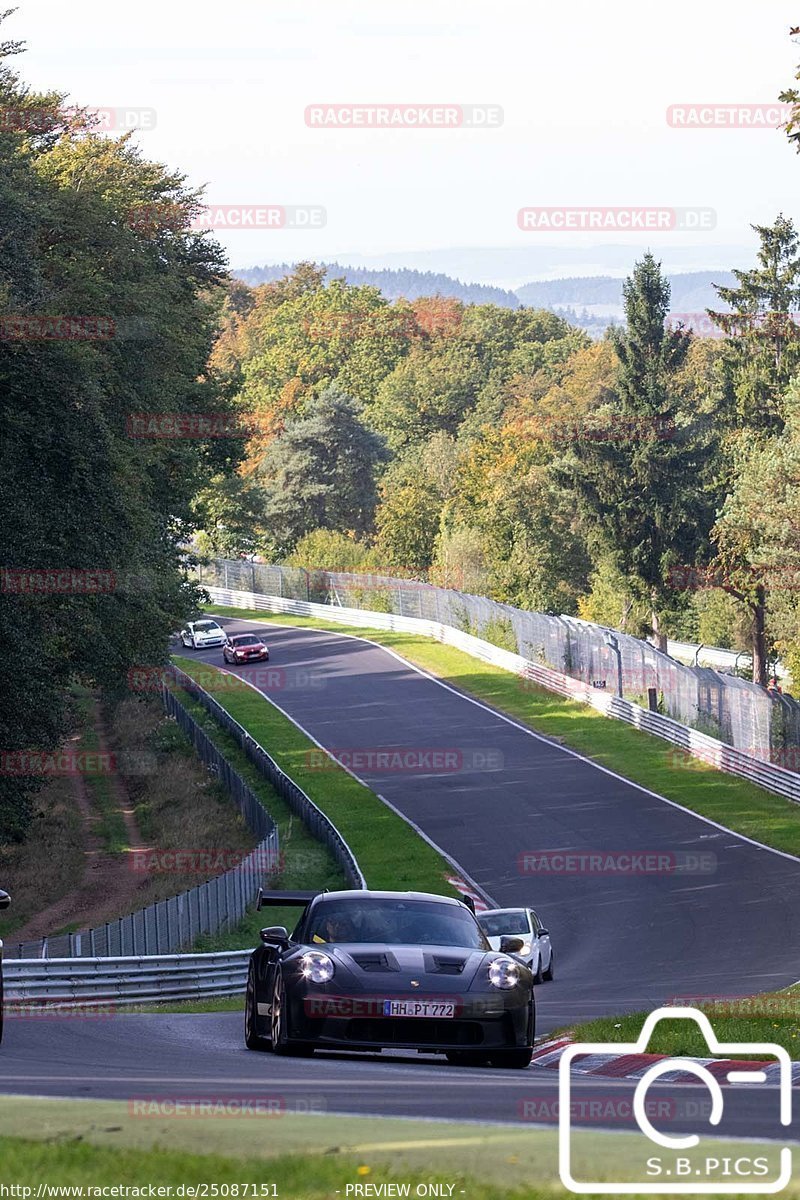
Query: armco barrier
(700, 745)
(764, 724)
(42, 984)
(312, 817)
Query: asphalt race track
(717, 917)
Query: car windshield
(206, 626)
(394, 923)
(246, 639)
(500, 924)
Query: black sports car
(375, 970)
(5, 900)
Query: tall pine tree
(762, 327)
(641, 484)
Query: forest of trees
(649, 480)
(644, 480)
(99, 321)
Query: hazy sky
(584, 88)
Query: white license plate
(418, 1008)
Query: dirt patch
(108, 885)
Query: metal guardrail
(698, 654)
(319, 825)
(727, 758)
(764, 724)
(169, 925)
(40, 985)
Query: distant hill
(691, 292)
(592, 302)
(403, 283)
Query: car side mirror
(543, 933)
(275, 935)
(5, 899)
(511, 945)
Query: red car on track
(245, 647)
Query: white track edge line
(448, 858)
(538, 736)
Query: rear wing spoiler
(285, 899)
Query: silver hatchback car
(522, 923)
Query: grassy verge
(43, 869)
(769, 1017)
(110, 825)
(305, 862)
(638, 756)
(389, 852)
(310, 1157)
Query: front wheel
(467, 1058)
(513, 1059)
(548, 974)
(279, 1034)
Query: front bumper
(483, 1024)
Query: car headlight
(526, 949)
(317, 967)
(503, 973)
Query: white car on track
(198, 635)
(522, 923)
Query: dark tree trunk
(659, 638)
(760, 637)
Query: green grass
(305, 862)
(389, 852)
(211, 1004)
(638, 756)
(94, 1143)
(769, 1017)
(110, 827)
